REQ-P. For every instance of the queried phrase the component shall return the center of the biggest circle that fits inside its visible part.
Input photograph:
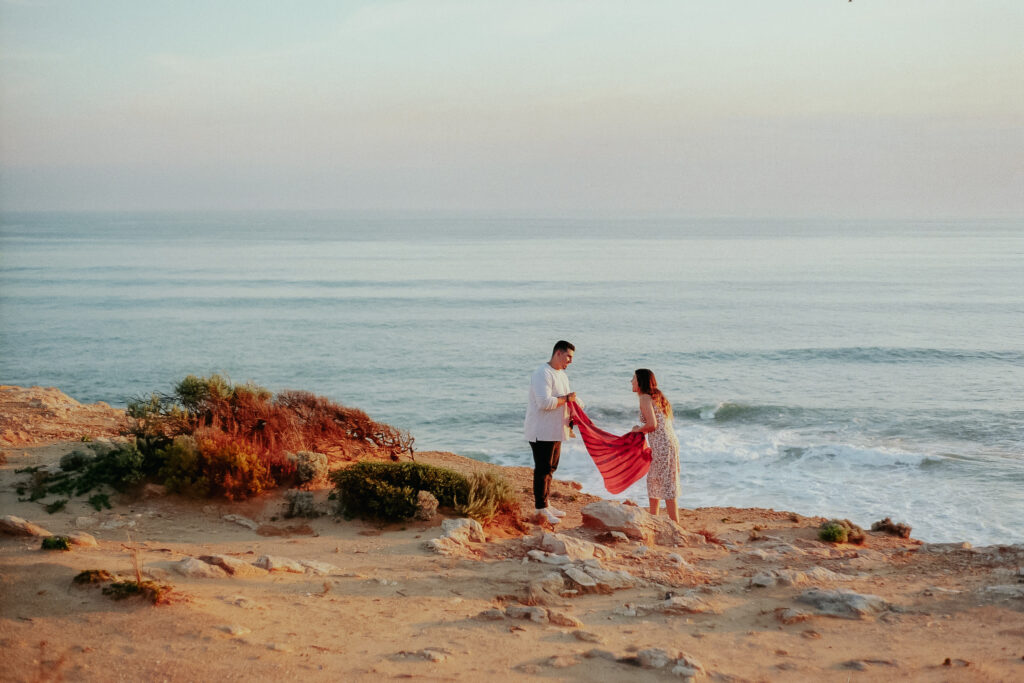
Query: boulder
(638, 524)
(463, 530)
(244, 521)
(426, 505)
(80, 538)
(654, 658)
(538, 615)
(689, 603)
(196, 569)
(274, 563)
(234, 566)
(16, 526)
(548, 558)
(843, 603)
(574, 548)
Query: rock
(790, 616)
(600, 654)
(300, 504)
(676, 559)
(80, 538)
(574, 548)
(86, 522)
(240, 601)
(118, 524)
(586, 636)
(638, 524)
(613, 537)
(16, 526)
(561, 661)
(843, 603)
(234, 566)
(196, 569)
(943, 548)
(234, 630)
(678, 604)
(538, 615)
(653, 658)
(491, 615)
(426, 505)
(790, 577)
(609, 581)
(551, 583)
(463, 530)
(548, 558)
(244, 521)
(582, 579)
(319, 568)
(1006, 592)
(279, 564)
(627, 610)
(562, 619)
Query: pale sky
(821, 108)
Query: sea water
(857, 369)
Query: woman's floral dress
(663, 477)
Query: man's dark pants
(545, 462)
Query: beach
(753, 597)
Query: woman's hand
(636, 428)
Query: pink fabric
(622, 460)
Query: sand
(389, 607)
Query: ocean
(856, 369)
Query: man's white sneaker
(555, 511)
(544, 515)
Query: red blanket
(622, 460)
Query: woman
(656, 416)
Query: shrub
(56, 543)
(895, 528)
(182, 471)
(388, 491)
(840, 531)
(233, 467)
(488, 495)
(91, 576)
(76, 460)
(310, 467)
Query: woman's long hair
(647, 384)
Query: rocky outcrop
(16, 526)
(638, 524)
(41, 414)
(843, 603)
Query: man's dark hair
(562, 345)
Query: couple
(549, 422)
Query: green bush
(388, 491)
(56, 543)
(182, 471)
(840, 531)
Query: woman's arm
(647, 410)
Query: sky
(746, 108)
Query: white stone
(537, 615)
(548, 558)
(279, 564)
(83, 539)
(243, 521)
(196, 569)
(234, 566)
(843, 603)
(234, 630)
(581, 578)
(319, 568)
(463, 529)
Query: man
(547, 424)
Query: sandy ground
(392, 608)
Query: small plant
(841, 531)
(92, 576)
(310, 467)
(488, 495)
(156, 593)
(56, 506)
(86, 438)
(56, 543)
(100, 501)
